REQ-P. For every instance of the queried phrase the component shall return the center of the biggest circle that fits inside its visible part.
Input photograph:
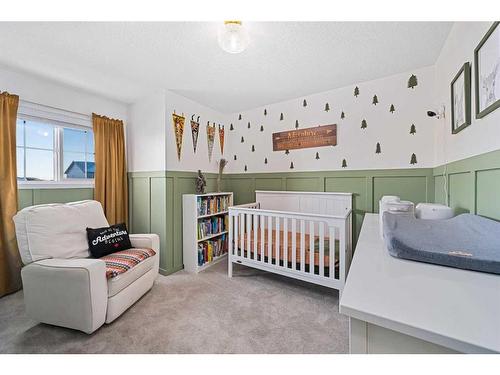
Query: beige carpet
(254, 312)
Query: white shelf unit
(190, 220)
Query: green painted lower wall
(30, 197)
(472, 185)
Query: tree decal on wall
(392, 109)
(265, 112)
(242, 139)
(413, 159)
(253, 148)
(246, 169)
(412, 81)
(287, 152)
(248, 125)
(317, 156)
(265, 160)
(235, 157)
(296, 124)
(291, 165)
(281, 116)
(342, 115)
(327, 107)
(375, 100)
(363, 124)
(356, 91)
(377, 148)
(304, 103)
(231, 127)
(413, 130)
(344, 163)
(262, 128)
(239, 117)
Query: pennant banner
(195, 128)
(178, 122)
(221, 139)
(210, 139)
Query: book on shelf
(210, 249)
(211, 225)
(212, 204)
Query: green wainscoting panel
(411, 188)
(24, 198)
(270, 183)
(158, 217)
(472, 184)
(30, 197)
(242, 187)
(310, 183)
(140, 193)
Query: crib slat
(235, 251)
(255, 231)
(277, 242)
(269, 239)
(294, 243)
(332, 252)
(242, 235)
(285, 242)
(249, 230)
(321, 249)
(302, 245)
(262, 239)
(311, 247)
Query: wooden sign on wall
(318, 136)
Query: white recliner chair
(62, 285)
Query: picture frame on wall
(461, 99)
(487, 72)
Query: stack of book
(210, 249)
(212, 225)
(212, 205)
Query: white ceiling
(284, 60)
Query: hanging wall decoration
(392, 109)
(342, 115)
(413, 159)
(262, 128)
(178, 122)
(281, 116)
(363, 124)
(239, 117)
(375, 100)
(296, 124)
(291, 165)
(356, 91)
(304, 103)
(248, 125)
(221, 138)
(377, 148)
(319, 136)
(231, 127)
(460, 99)
(413, 130)
(210, 139)
(195, 129)
(327, 107)
(344, 163)
(412, 81)
(265, 112)
(317, 156)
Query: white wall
(482, 135)
(191, 161)
(357, 146)
(146, 133)
(42, 91)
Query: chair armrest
(148, 241)
(70, 293)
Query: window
(53, 152)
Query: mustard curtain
(10, 261)
(110, 168)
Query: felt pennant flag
(195, 129)
(210, 139)
(178, 122)
(221, 138)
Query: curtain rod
(59, 109)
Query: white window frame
(60, 119)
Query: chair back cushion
(57, 230)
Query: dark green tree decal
(239, 117)
(375, 100)
(304, 103)
(265, 112)
(356, 91)
(262, 128)
(265, 160)
(317, 156)
(246, 169)
(287, 152)
(235, 157)
(413, 159)
(392, 109)
(413, 130)
(412, 81)
(344, 163)
(231, 127)
(296, 124)
(363, 124)
(281, 116)
(342, 115)
(248, 125)
(242, 139)
(253, 148)
(327, 107)
(377, 148)
(291, 165)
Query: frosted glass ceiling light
(233, 37)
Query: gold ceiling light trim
(232, 22)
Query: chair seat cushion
(124, 267)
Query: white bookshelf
(191, 219)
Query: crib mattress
(466, 241)
(326, 258)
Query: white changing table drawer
(402, 306)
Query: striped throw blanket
(121, 261)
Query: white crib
(304, 235)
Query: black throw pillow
(108, 240)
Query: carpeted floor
(254, 312)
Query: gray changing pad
(465, 241)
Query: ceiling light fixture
(233, 37)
